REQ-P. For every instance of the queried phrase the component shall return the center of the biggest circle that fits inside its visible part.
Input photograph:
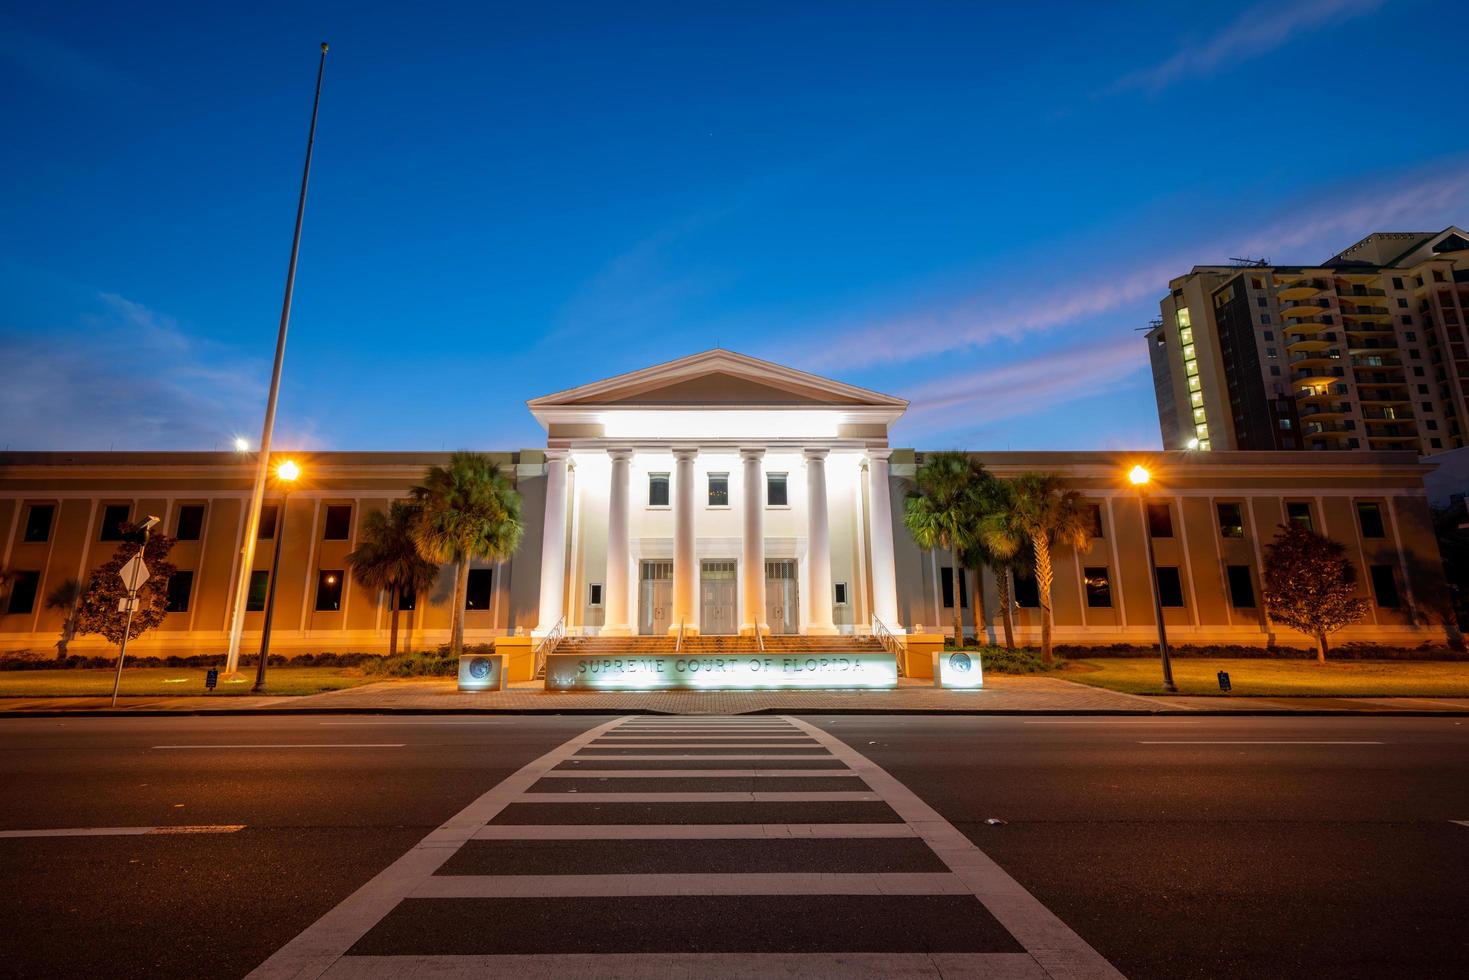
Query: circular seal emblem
(960, 662)
(479, 668)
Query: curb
(877, 712)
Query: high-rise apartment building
(1368, 350)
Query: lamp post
(286, 476)
(1140, 477)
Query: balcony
(1358, 293)
(1298, 290)
(1298, 311)
(1366, 314)
(1387, 415)
(1325, 430)
(1324, 410)
(1318, 356)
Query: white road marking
(224, 828)
(719, 757)
(1059, 951)
(680, 831)
(703, 745)
(295, 745)
(412, 721)
(1120, 721)
(613, 886)
(1461, 823)
(696, 797)
(727, 966)
(1252, 742)
(691, 773)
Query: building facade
(1366, 351)
(717, 494)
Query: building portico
(716, 494)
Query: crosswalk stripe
(703, 745)
(726, 966)
(708, 831)
(689, 773)
(601, 886)
(742, 756)
(700, 797)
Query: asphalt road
(1208, 847)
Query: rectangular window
(23, 588)
(1098, 587)
(775, 490)
(1231, 521)
(1298, 512)
(180, 584)
(1241, 588)
(946, 581)
(1160, 521)
(38, 522)
(329, 590)
(191, 522)
(259, 586)
(1027, 594)
(338, 525)
(1170, 587)
(657, 489)
(408, 600)
(477, 593)
(594, 593)
(1095, 511)
(718, 489)
(113, 517)
(839, 593)
(268, 515)
(1370, 517)
(1385, 587)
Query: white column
(615, 620)
(685, 566)
(752, 564)
(818, 547)
(880, 520)
(553, 544)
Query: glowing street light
(286, 475)
(1139, 477)
(242, 445)
(1193, 443)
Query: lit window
(329, 590)
(718, 489)
(657, 489)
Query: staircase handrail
(678, 643)
(890, 642)
(759, 639)
(548, 644)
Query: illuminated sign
(957, 669)
(482, 672)
(712, 672)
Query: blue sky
(972, 208)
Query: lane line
(410, 722)
(1140, 721)
(327, 939)
(295, 745)
(709, 831)
(618, 886)
(1252, 742)
(690, 773)
(727, 966)
(1461, 823)
(223, 828)
(591, 796)
(1059, 950)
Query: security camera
(148, 524)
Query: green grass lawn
(154, 681)
(1278, 678)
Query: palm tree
(939, 512)
(388, 558)
(997, 544)
(466, 510)
(67, 597)
(1045, 513)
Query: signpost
(134, 575)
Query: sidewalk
(1002, 695)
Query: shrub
(998, 660)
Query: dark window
(1170, 586)
(113, 517)
(946, 579)
(268, 515)
(477, 593)
(1385, 586)
(23, 592)
(259, 585)
(1027, 594)
(1397, 282)
(1160, 521)
(657, 489)
(839, 593)
(1231, 521)
(408, 600)
(1370, 517)
(1299, 513)
(38, 522)
(1095, 510)
(329, 590)
(191, 522)
(1435, 443)
(338, 523)
(180, 584)
(718, 489)
(594, 594)
(1098, 587)
(1241, 589)
(1432, 425)
(775, 490)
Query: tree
(466, 510)
(939, 512)
(387, 558)
(98, 613)
(1310, 586)
(1043, 513)
(67, 597)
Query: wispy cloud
(61, 66)
(1255, 32)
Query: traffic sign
(134, 573)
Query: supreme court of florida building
(717, 495)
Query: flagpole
(262, 462)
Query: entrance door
(780, 597)
(717, 598)
(655, 597)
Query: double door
(718, 588)
(781, 599)
(655, 597)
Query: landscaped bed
(155, 681)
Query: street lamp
(242, 445)
(286, 475)
(1140, 477)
